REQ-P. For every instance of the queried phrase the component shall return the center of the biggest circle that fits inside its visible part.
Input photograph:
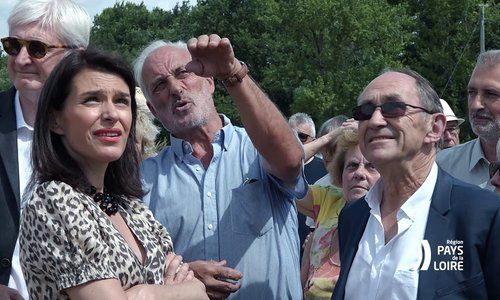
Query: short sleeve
(325, 198)
(60, 240)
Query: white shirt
(390, 271)
(324, 181)
(24, 139)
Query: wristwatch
(236, 78)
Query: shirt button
(198, 169)
(210, 226)
(209, 194)
(5, 262)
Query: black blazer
(458, 211)
(9, 183)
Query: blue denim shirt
(235, 210)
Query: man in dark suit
(39, 38)
(419, 233)
(9, 183)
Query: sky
(93, 8)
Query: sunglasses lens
(393, 109)
(363, 112)
(302, 137)
(37, 49)
(11, 45)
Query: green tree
(126, 28)
(4, 76)
(252, 27)
(329, 50)
(446, 44)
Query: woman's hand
(176, 271)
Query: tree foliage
(446, 44)
(316, 56)
(4, 76)
(331, 49)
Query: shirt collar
(20, 122)
(222, 137)
(477, 155)
(411, 207)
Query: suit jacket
(459, 212)
(9, 183)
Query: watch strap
(237, 77)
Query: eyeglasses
(303, 137)
(394, 109)
(36, 49)
(452, 128)
(494, 166)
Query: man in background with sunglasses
(469, 162)
(414, 204)
(314, 168)
(40, 33)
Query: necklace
(107, 202)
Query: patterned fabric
(67, 240)
(323, 273)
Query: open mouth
(380, 138)
(110, 135)
(180, 106)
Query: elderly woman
(350, 170)
(41, 32)
(85, 233)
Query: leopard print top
(67, 240)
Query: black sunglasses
(303, 136)
(395, 109)
(36, 49)
(494, 166)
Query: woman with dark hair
(84, 233)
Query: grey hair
(66, 19)
(429, 99)
(141, 59)
(145, 126)
(347, 138)
(331, 124)
(302, 118)
(490, 58)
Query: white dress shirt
(24, 139)
(390, 271)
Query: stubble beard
(490, 131)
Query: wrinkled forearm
(268, 130)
